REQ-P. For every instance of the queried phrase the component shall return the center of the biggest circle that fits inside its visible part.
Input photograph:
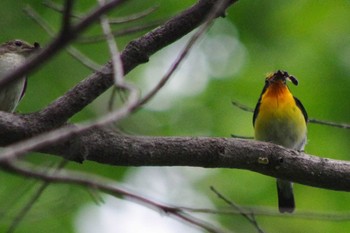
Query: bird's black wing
(24, 88)
(301, 107)
(257, 107)
(256, 111)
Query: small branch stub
(263, 160)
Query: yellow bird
(280, 118)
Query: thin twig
(121, 94)
(241, 137)
(56, 7)
(242, 106)
(103, 185)
(15, 197)
(250, 217)
(310, 120)
(112, 98)
(272, 212)
(113, 48)
(26, 208)
(66, 18)
(116, 59)
(70, 49)
(83, 59)
(329, 123)
(39, 20)
(133, 17)
(207, 23)
(118, 33)
(197, 222)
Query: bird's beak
(32, 49)
(293, 79)
(282, 76)
(36, 45)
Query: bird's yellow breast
(280, 120)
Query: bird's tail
(285, 196)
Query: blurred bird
(12, 55)
(280, 118)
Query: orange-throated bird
(280, 118)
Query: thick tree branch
(264, 158)
(106, 147)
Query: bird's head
(280, 77)
(19, 47)
(276, 84)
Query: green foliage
(309, 39)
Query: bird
(280, 118)
(13, 54)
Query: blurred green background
(309, 39)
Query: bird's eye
(18, 43)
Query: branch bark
(107, 147)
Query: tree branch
(107, 147)
(265, 158)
